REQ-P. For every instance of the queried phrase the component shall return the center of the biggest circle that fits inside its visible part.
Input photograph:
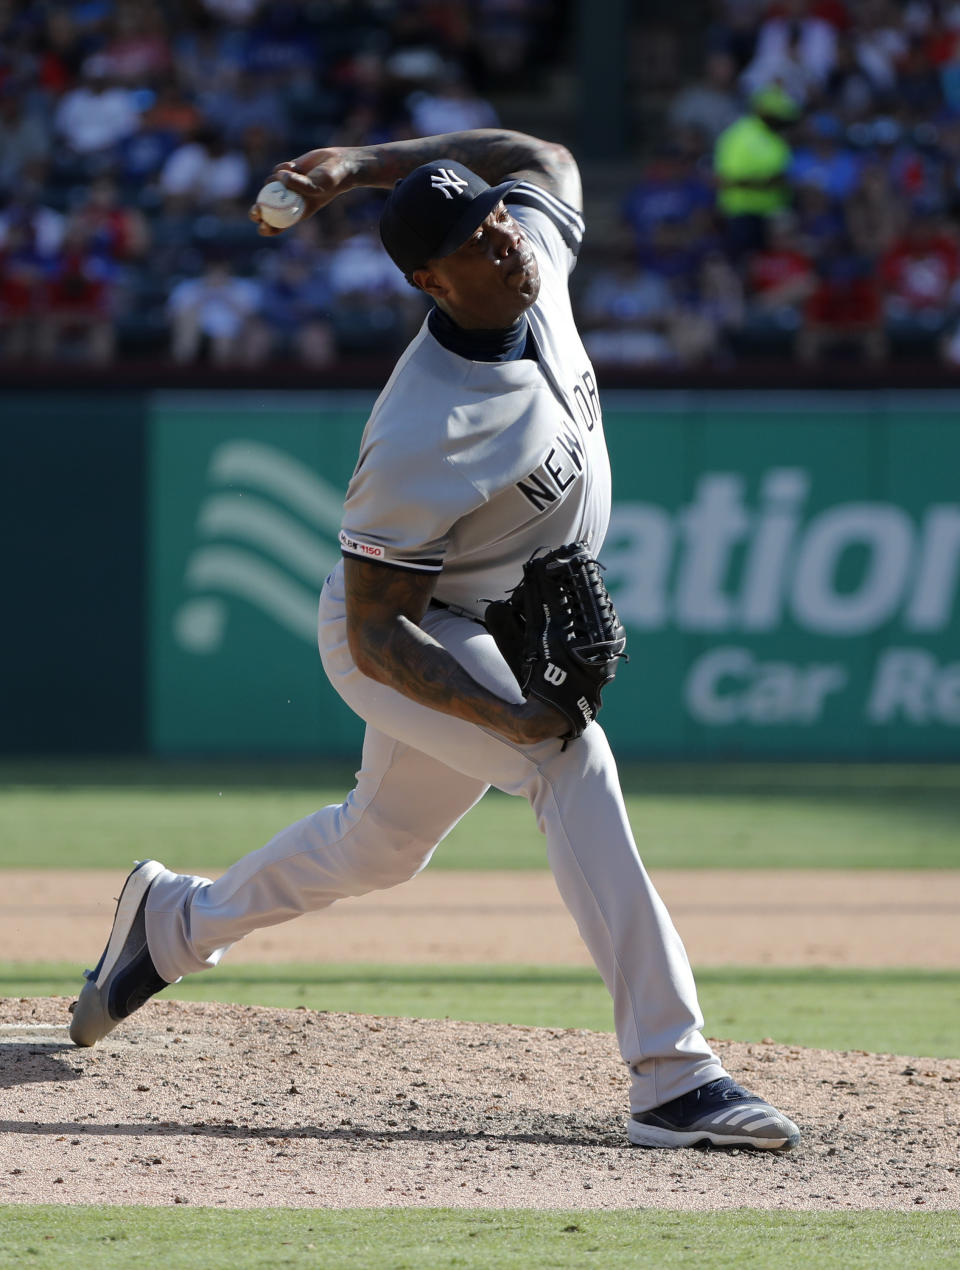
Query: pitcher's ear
(427, 280)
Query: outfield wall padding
(787, 566)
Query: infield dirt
(243, 1107)
(239, 1106)
(726, 918)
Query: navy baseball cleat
(125, 976)
(720, 1112)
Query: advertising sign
(788, 571)
(245, 510)
(787, 568)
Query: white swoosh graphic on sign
(273, 531)
(286, 478)
(228, 569)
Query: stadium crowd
(798, 198)
(134, 136)
(802, 200)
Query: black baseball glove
(559, 633)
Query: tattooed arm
(495, 154)
(384, 608)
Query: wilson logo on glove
(553, 674)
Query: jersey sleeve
(555, 226)
(401, 508)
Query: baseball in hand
(279, 207)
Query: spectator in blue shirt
(822, 159)
(670, 189)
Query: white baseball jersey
(468, 467)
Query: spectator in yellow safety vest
(751, 159)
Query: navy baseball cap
(434, 210)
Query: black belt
(455, 609)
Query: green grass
(885, 1011)
(431, 1239)
(205, 815)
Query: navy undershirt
(511, 345)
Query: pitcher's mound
(247, 1107)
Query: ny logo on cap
(445, 181)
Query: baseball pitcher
(468, 625)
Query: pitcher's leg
(575, 792)
(623, 922)
(384, 833)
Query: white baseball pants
(421, 772)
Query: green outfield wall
(787, 566)
(72, 527)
